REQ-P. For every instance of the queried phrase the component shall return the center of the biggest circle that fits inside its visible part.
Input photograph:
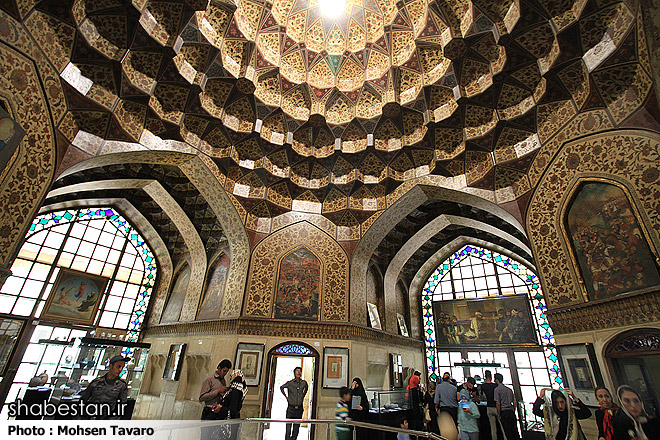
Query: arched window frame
(132, 236)
(545, 336)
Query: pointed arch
(262, 279)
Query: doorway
(282, 360)
(634, 357)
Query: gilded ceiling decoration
(303, 111)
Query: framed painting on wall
(609, 245)
(403, 329)
(299, 280)
(374, 318)
(174, 304)
(211, 304)
(174, 362)
(335, 367)
(10, 137)
(580, 370)
(396, 371)
(75, 297)
(249, 358)
(502, 320)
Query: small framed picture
(581, 373)
(403, 329)
(374, 318)
(335, 367)
(580, 370)
(174, 362)
(249, 358)
(396, 371)
(75, 297)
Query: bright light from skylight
(332, 8)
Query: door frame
(612, 356)
(269, 392)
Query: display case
(82, 360)
(387, 401)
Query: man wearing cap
(109, 388)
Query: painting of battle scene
(612, 253)
(215, 288)
(298, 286)
(502, 320)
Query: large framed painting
(335, 367)
(75, 297)
(501, 320)
(298, 286)
(10, 331)
(609, 246)
(11, 134)
(249, 358)
(177, 296)
(215, 287)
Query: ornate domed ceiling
(340, 115)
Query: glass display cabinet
(387, 401)
(81, 360)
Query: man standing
(488, 388)
(109, 389)
(213, 389)
(445, 398)
(504, 403)
(296, 390)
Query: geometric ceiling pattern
(305, 112)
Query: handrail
(208, 423)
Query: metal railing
(260, 429)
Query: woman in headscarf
(605, 414)
(632, 422)
(430, 404)
(416, 404)
(360, 413)
(560, 414)
(231, 404)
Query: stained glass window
(474, 272)
(293, 349)
(94, 240)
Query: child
(403, 423)
(468, 413)
(341, 413)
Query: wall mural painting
(177, 297)
(217, 278)
(298, 286)
(503, 320)
(10, 136)
(612, 253)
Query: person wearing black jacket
(631, 421)
(415, 404)
(360, 413)
(231, 404)
(430, 404)
(561, 417)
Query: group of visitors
(460, 403)
(559, 409)
(561, 413)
